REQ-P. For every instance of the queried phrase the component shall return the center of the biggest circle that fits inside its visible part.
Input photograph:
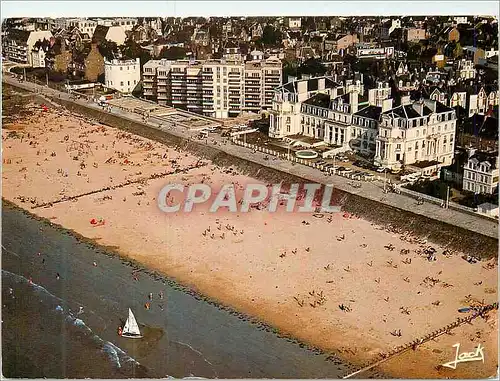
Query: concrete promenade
(369, 190)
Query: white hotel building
(319, 108)
(122, 75)
(422, 131)
(215, 88)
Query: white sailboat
(131, 328)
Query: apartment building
(18, 45)
(122, 75)
(422, 131)
(216, 88)
(260, 79)
(481, 172)
(285, 114)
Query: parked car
(381, 170)
(413, 177)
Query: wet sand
(292, 270)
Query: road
(370, 190)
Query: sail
(131, 325)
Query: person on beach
(58, 276)
(160, 294)
(150, 296)
(147, 305)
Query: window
(121, 83)
(121, 68)
(418, 132)
(128, 83)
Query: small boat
(131, 328)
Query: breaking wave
(119, 358)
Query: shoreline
(187, 326)
(243, 273)
(113, 252)
(351, 363)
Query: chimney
(405, 100)
(386, 104)
(353, 101)
(419, 107)
(321, 84)
(470, 152)
(301, 87)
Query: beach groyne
(398, 220)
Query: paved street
(372, 191)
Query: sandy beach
(291, 270)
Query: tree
(132, 50)
(312, 67)
(270, 36)
(457, 52)
(108, 49)
(173, 53)
(290, 68)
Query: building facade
(423, 131)
(216, 88)
(481, 172)
(127, 23)
(415, 34)
(466, 69)
(285, 115)
(122, 75)
(83, 25)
